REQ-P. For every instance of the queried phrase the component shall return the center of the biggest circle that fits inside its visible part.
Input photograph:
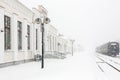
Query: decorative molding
(2, 7)
(15, 14)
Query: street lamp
(72, 41)
(42, 21)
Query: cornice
(2, 7)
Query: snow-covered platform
(81, 66)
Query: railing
(54, 54)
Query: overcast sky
(90, 22)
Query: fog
(90, 22)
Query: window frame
(28, 37)
(36, 39)
(7, 33)
(19, 34)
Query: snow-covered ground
(81, 66)
(110, 72)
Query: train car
(110, 48)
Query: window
(28, 38)
(19, 35)
(36, 39)
(7, 33)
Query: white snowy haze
(89, 22)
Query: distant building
(62, 44)
(51, 34)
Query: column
(34, 39)
(14, 36)
(1, 34)
(31, 38)
(39, 39)
(24, 38)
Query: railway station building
(20, 36)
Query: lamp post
(72, 41)
(42, 21)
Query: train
(110, 49)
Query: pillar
(14, 36)
(1, 34)
(24, 38)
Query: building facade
(61, 44)
(16, 32)
(50, 39)
(20, 36)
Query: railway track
(112, 62)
